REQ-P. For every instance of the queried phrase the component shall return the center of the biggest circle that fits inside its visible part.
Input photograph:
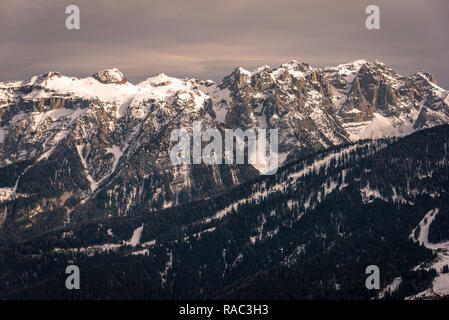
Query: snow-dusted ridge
(322, 161)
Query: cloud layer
(210, 38)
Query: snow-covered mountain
(74, 149)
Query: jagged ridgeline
(307, 232)
(75, 150)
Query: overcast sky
(209, 38)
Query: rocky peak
(109, 76)
(425, 76)
(297, 66)
(159, 80)
(237, 79)
(52, 74)
(263, 69)
(353, 65)
(292, 69)
(37, 80)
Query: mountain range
(86, 176)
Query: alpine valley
(363, 179)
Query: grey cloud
(210, 38)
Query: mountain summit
(108, 76)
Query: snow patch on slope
(117, 152)
(391, 288)
(135, 239)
